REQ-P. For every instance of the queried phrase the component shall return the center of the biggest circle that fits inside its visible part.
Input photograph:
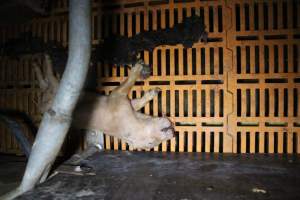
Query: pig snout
(166, 128)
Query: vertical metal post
(56, 121)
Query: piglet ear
(164, 115)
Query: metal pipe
(56, 121)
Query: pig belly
(112, 115)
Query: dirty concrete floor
(149, 175)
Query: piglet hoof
(155, 91)
(146, 70)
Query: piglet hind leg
(125, 87)
(138, 70)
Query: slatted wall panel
(237, 93)
(265, 77)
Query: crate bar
(199, 141)
(207, 141)
(181, 141)
(271, 142)
(261, 142)
(289, 142)
(280, 102)
(172, 114)
(190, 141)
(163, 104)
(280, 142)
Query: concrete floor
(149, 175)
